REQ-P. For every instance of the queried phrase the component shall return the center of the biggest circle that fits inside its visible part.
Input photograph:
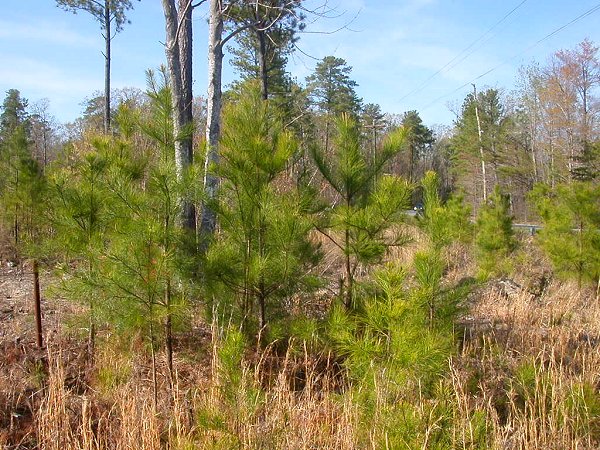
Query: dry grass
(533, 365)
(526, 376)
(195, 416)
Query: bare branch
(182, 16)
(236, 32)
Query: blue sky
(395, 47)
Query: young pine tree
(570, 236)
(394, 356)
(22, 190)
(442, 222)
(368, 206)
(494, 237)
(82, 219)
(118, 228)
(262, 255)
(148, 263)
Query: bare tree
(107, 13)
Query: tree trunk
(16, 219)
(178, 51)
(213, 120)
(536, 176)
(262, 61)
(187, 140)
(169, 350)
(154, 368)
(107, 39)
(349, 280)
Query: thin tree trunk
(169, 338)
(37, 304)
(247, 305)
(208, 221)
(107, 39)
(16, 220)
(262, 300)
(91, 334)
(349, 281)
(262, 61)
(154, 369)
(181, 116)
(536, 176)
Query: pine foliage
(368, 205)
(115, 216)
(443, 222)
(494, 238)
(262, 255)
(392, 351)
(570, 234)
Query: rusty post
(37, 303)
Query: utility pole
(374, 126)
(481, 155)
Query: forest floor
(21, 362)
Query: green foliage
(262, 255)
(113, 374)
(82, 220)
(588, 163)
(584, 402)
(493, 121)
(494, 238)
(116, 10)
(230, 373)
(395, 355)
(493, 145)
(272, 30)
(419, 140)
(22, 185)
(331, 88)
(237, 398)
(570, 236)
(115, 216)
(440, 301)
(443, 222)
(363, 224)
(296, 329)
(22, 188)
(14, 113)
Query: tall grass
(526, 377)
(533, 367)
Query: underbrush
(520, 368)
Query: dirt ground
(22, 364)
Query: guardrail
(528, 226)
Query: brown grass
(526, 376)
(533, 365)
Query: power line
(548, 36)
(469, 47)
